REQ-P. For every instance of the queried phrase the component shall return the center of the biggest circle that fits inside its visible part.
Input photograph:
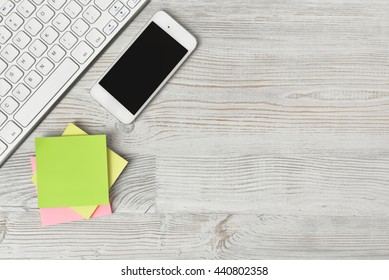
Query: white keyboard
(44, 46)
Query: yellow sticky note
(116, 165)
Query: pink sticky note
(54, 216)
(33, 164)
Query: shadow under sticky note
(72, 171)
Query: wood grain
(270, 142)
(195, 236)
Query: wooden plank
(208, 236)
(271, 184)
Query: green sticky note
(72, 171)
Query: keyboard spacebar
(64, 72)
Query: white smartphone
(144, 67)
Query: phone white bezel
(174, 29)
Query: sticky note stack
(73, 174)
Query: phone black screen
(143, 67)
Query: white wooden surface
(271, 142)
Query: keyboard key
(45, 66)
(9, 105)
(95, 38)
(21, 92)
(122, 14)
(6, 8)
(73, 9)
(21, 40)
(3, 66)
(133, 3)
(10, 132)
(3, 147)
(5, 34)
(45, 14)
(49, 35)
(56, 4)
(14, 21)
(82, 52)
(33, 79)
(37, 48)
(91, 14)
(9, 53)
(61, 22)
(5, 87)
(14, 74)
(26, 8)
(110, 27)
(115, 8)
(25, 61)
(33, 26)
(65, 71)
(68, 40)
(56, 53)
(80, 27)
(103, 4)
